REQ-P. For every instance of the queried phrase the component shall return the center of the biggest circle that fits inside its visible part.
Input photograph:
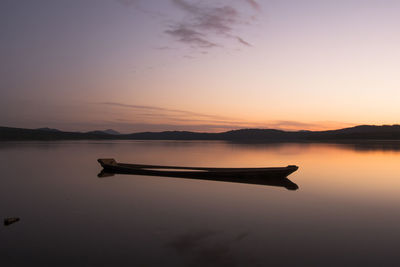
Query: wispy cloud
(298, 125)
(182, 119)
(163, 48)
(189, 36)
(161, 118)
(166, 110)
(242, 41)
(204, 23)
(254, 4)
(286, 124)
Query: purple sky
(135, 65)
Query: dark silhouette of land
(362, 132)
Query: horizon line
(246, 128)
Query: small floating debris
(8, 221)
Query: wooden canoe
(275, 176)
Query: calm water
(345, 212)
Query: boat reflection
(268, 181)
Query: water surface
(345, 212)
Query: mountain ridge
(360, 132)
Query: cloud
(204, 23)
(187, 6)
(176, 118)
(150, 118)
(188, 57)
(190, 36)
(166, 110)
(298, 125)
(285, 124)
(254, 4)
(242, 41)
(164, 48)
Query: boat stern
(291, 169)
(107, 162)
(294, 167)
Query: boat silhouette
(271, 176)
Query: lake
(345, 212)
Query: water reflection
(268, 181)
(203, 248)
(354, 145)
(346, 213)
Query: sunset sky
(154, 65)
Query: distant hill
(108, 131)
(111, 131)
(362, 132)
(8, 133)
(48, 129)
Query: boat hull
(267, 176)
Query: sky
(207, 66)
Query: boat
(275, 176)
